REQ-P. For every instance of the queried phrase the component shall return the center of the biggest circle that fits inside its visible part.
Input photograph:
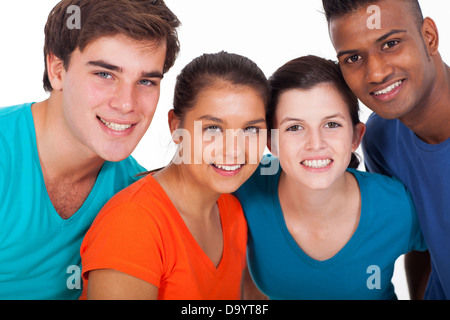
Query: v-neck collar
(216, 271)
(352, 242)
(92, 194)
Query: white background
(268, 32)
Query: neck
(317, 204)
(431, 125)
(188, 197)
(60, 154)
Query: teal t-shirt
(40, 251)
(361, 270)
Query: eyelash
(394, 42)
(384, 47)
(216, 129)
(294, 128)
(334, 125)
(329, 125)
(104, 75)
(107, 76)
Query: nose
(315, 139)
(234, 147)
(124, 98)
(377, 69)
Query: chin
(114, 156)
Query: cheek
(147, 102)
(288, 145)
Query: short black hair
(338, 8)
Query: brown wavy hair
(137, 19)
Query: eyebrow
(111, 67)
(214, 119)
(382, 38)
(336, 115)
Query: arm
(109, 284)
(417, 267)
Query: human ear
(174, 124)
(358, 134)
(431, 35)
(55, 71)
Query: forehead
(233, 101)
(123, 53)
(320, 101)
(372, 21)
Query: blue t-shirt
(391, 148)
(361, 270)
(40, 251)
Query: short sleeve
(125, 238)
(416, 241)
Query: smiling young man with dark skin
(389, 56)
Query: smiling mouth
(115, 126)
(317, 164)
(227, 168)
(388, 89)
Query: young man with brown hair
(389, 56)
(64, 157)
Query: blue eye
(104, 75)
(146, 82)
(213, 129)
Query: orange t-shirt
(139, 232)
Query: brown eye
(353, 59)
(390, 44)
(332, 125)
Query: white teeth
(388, 89)
(228, 168)
(316, 163)
(115, 126)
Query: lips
(388, 92)
(116, 126)
(227, 170)
(317, 163)
(388, 89)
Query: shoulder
(379, 129)
(262, 180)
(13, 110)
(16, 123)
(135, 210)
(127, 170)
(146, 193)
(384, 192)
(379, 181)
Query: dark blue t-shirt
(391, 148)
